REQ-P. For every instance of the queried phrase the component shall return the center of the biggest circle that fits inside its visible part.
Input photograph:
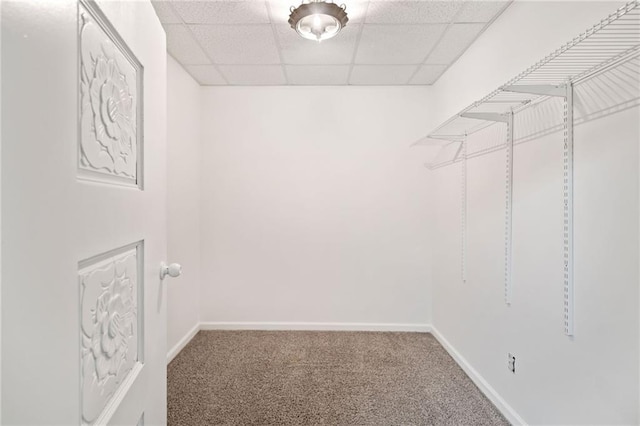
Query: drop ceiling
(249, 43)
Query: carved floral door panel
(83, 213)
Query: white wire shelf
(612, 41)
(603, 65)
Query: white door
(83, 213)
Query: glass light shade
(318, 20)
(318, 27)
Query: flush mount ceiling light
(318, 20)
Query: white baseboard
(480, 382)
(182, 343)
(315, 326)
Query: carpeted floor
(321, 378)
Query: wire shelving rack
(610, 44)
(613, 40)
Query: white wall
(333, 220)
(593, 377)
(313, 205)
(183, 200)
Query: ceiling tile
(412, 12)
(387, 41)
(165, 12)
(222, 12)
(206, 74)
(377, 75)
(454, 42)
(183, 47)
(238, 44)
(253, 75)
(428, 74)
(397, 44)
(317, 75)
(480, 11)
(280, 10)
(337, 50)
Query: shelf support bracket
(451, 138)
(568, 210)
(508, 219)
(542, 90)
(506, 118)
(486, 116)
(459, 150)
(463, 210)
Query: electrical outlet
(512, 363)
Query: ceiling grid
(355, 50)
(277, 42)
(249, 42)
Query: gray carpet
(321, 378)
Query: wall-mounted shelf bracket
(459, 151)
(538, 89)
(486, 116)
(506, 118)
(508, 211)
(463, 209)
(568, 209)
(452, 138)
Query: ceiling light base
(318, 20)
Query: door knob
(173, 270)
